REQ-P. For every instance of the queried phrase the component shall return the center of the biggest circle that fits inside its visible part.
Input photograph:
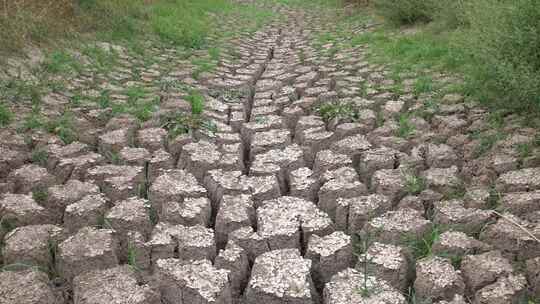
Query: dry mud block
(336, 184)
(29, 178)
(117, 182)
(190, 212)
(396, 226)
(288, 222)
(457, 243)
(89, 211)
(89, 249)
(234, 259)
(196, 282)
(235, 212)
(389, 263)
(185, 242)
(220, 183)
(512, 240)
(30, 245)
(26, 287)
(353, 213)
(21, 210)
(352, 287)
(329, 255)
(521, 180)
(436, 279)
(60, 196)
(484, 269)
(174, 186)
(129, 215)
(281, 276)
(116, 285)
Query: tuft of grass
(152, 214)
(405, 11)
(405, 128)
(495, 198)
(486, 142)
(132, 257)
(422, 85)
(61, 62)
(6, 116)
(414, 184)
(422, 247)
(333, 110)
(40, 195)
(103, 223)
(196, 100)
(40, 157)
(63, 127)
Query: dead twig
(517, 224)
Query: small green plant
(152, 214)
(102, 59)
(143, 190)
(367, 287)
(132, 257)
(196, 100)
(202, 65)
(524, 150)
(40, 195)
(413, 299)
(458, 191)
(103, 223)
(330, 111)
(486, 142)
(405, 11)
(114, 157)
(6, 225)
(379, 118)
(414, 184)
(495, 198)
(63, 127)
(40, 157)
(61, 62)
(405, 128)
(423, 85)
(422, 247)
(52, 248)
(6, 116)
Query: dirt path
(305, 182)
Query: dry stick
(518, 225)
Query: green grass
(63, 127)
(196, 100)
(40, 195)
(132, 257)
(405, 128)
(414, 184)
(6, 116)
(336, 110)
(61, 62)
(40, 157)
(422, 247)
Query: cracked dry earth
(268, 208)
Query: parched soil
(305, 180)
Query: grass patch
(405, 128)
(422, 247)
(6, 116)
(63, 127)
(196, 100)
(336, 110)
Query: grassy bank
(494, 46)
(185, 23)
